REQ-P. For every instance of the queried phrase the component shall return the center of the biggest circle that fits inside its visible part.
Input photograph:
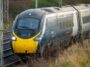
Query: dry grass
(75, 56)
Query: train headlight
(14, 38)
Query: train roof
(83, 7)
(40, 12)
(78, 7)
(36, 13)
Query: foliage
(14, 11)
(48, 3)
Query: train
(36, 29)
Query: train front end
(25, 30)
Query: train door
(75, 24)
(65, 24)
(51, 27)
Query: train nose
(24, 45)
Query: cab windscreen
(27, 27)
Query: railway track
(9, 57)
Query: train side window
(86, 19)
(66, 21)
